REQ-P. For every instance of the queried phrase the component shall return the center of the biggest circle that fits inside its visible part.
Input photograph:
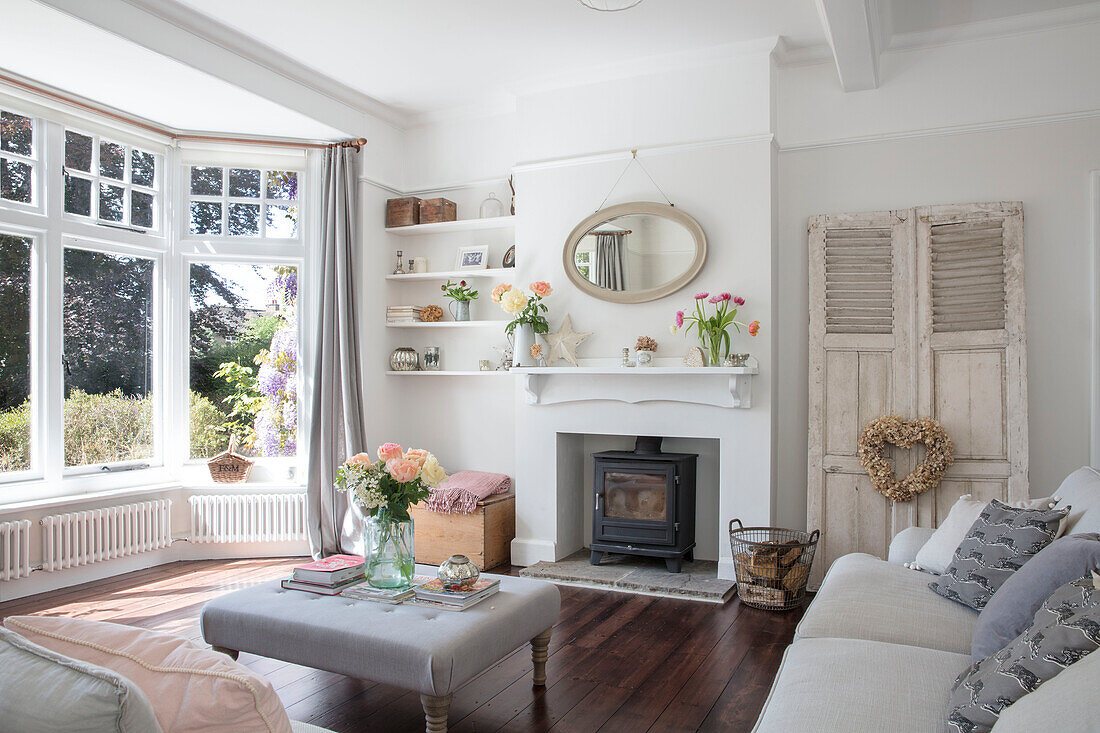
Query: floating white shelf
(449, 274)
(448, 324)
(461, 225)
(449, 373)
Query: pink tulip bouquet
(713, 329)
(386, 488)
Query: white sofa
(877, 650)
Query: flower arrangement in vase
(713, 329)
(384, 490)
(528, 316)
(460, 294)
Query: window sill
(145, 490)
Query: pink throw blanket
(460, 492)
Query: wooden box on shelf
(437, 210)
(485, 536)
(403, 212)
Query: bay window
(148, 318)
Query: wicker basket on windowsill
(230, 467)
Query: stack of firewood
(770, 572)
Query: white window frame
(35, 162)
(97, 179)
(226, 200)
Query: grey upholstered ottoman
(430, 651)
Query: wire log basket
(772, 565)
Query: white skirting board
(43, 582)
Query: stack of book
(328, 576)
(433, 594)
(403, 313)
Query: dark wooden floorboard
(618, 662)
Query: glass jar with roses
(713, 328)
(384, 490)
(528, 317)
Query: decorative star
(564, 342)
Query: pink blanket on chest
(460, 492)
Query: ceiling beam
(184, 35)
(849, 29)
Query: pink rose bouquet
(388, 488)
(713, 328)
(524, 309)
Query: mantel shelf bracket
(736, 392)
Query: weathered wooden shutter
(860, 303)
(917, 312)
(972, 364)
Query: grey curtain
(609, 260)
(336, 427)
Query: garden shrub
(207, 438)
(15, 431)
(104, 428)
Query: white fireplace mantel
(729, 387)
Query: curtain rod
(614, 231)
(64, 99)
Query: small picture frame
(472, 258)
(510, 257)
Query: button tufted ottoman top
(416, 648)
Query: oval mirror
(631, 253)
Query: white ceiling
(427, 58)
(431, 55)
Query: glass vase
(712, 342)
(391, 555)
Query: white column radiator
(81, 538)
(15, 549)
(248, 518)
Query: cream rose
(513, 301)
(432, 473)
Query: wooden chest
(485, 536)
(436, 210)
(403, 212)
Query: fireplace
(645, 503)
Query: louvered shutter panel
(860, 295)
(972, 364)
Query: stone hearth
(697, 581)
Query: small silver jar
(458, 572)
(404, 359)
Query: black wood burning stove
(645, 504)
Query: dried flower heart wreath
(904, 434)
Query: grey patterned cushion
(999, 542)
(1064, 630)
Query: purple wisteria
(277, 380)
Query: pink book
(332, 569)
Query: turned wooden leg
(435, 712)
(538, 656)
(231, 653)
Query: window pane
(282, 221)
(78, 151)
(111, 202)
(16, 134)
(108, 357)
(244, 220)
(16, 180)
(206, 217)
(206, 181)
(78, 196)
(282, 185)
(244, 182)
(112, 160)
(15, 342)
(244, 358)
(141, 209)
(143, 168)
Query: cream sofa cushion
(191, 688)
(863, 597)
(849, 685)
(46, 692)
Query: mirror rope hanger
(633, 160)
